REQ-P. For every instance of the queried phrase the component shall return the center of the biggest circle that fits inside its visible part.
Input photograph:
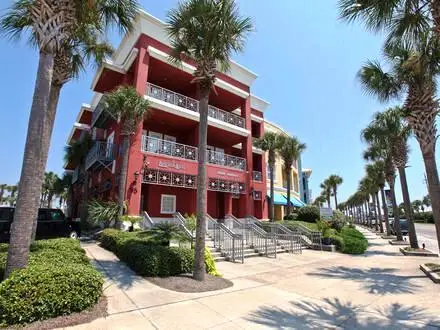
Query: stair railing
(308, 237)
(180, 221)
(147, 221)
(262, 241)
(286, 238)
(230, 243)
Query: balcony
(101, 154)
(99, 116)
(188, 103)
(257, 176)
(173, 149)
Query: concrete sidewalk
(379, 290)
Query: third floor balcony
(173, 149)
(188, 103)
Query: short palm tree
(2, 191)
(270, 143)
(132, 108)
(208, 32)
(319, 201)
(12, 198)
(62, 21)
(326, 191)
(417, 205)
(290, 150)
(49, 186)
(334, 181)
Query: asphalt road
(426, 234)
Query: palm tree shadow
(332, 312)
(374, 280)
(119, 273)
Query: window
(168, 204)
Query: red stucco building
(162, 170)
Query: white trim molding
(258, 103)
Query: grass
(434, 267)
(310, 225)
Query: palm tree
(334, 181)
(376, 172)
(62, 21)
(208, 32)
(49, 186)
(289, 150)
(413, 66)
(319, 201)
(326, 191)
(402, 19)
(3, 187)
(269, 143)
(127, 104)
(12, 198)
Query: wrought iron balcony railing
(101, 152)
(257, 176)
(163, 147)
(188, 103)
(75, 175)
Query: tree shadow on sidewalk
(333, 312)
(119, 273)
(374, 280)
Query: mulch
(185, 283)
(86, 316)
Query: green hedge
(354, 241)
(58, 281)
(149, 259)
(308, 213)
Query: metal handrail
(147, 222)
(181, 223)
(230, 243)
(188, 103)
(179, 150)
(313, 237)
(287, 238)
(262, 241)
(101, 151)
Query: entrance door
(220, 205)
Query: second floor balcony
(101, 154)
(173, 149)
(191, 104)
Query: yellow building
(280, 179)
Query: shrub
(103, 212)
(292, 216)
(58, 281)
(165, 232)
(44, 291)
(210, 263)
(354, 241)
(190, 222)
(308, 213)
(324, 227)
(338, 220)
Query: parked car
(51, 223)
(403, 227)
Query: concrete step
(219, 259)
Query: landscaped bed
(58, 281)
(432, 271)
(142, 253)
(409, 251)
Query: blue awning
(278, 199)
(296, 202)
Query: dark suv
(51, 223)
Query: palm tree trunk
(32, 173)
(366, 213)
(379, 212)
(289, 178)
(328, 202)
(272, 193)
(385, 211)
(396, 212)
(123, 177)
(409, 214)
(434, 188)
(435, 12)
(375, 213)
(336, 200)
(84, 209)
(199, 259)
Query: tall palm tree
(417, 205)
(376, 172)
(127, 104)
(402, 19)
(319, 201)
(12, 198)
(269, 143)
(49, 186)
(51, 25)
(208, 32)
(335, 181)
(326, 191)
(290, 150)
(426, 201)
(414, 66)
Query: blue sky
(306, 60)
